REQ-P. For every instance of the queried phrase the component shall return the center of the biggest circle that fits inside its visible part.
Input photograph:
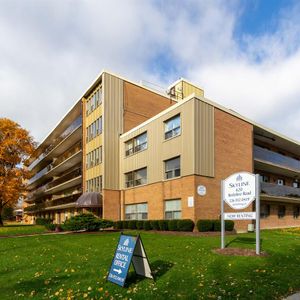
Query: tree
(16, 145)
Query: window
(136, 211)
(264, 178)
(296, 184)
(136, 144)
(136, 178)
(173, 209)
(94, 129)
(94, 158)
(94, 184)
(264, 211)
(172, 127)
(172, 168)
(280, 181)
(94, 101)
(281, 211)
(296, 211)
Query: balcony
(71, 134)
(37, 176)
(271, 161)
(272, 190)
(35, 194)
(65, 185)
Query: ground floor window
(281, 211)
(136, 211)
(264, 211)
(296, 212)
(173, 209)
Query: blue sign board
(130, 249)
(122, 259)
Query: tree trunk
(1, 222)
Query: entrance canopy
(92, 199)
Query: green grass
(9, 230)
(53, 267)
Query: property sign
(239, 190)
(201, 190)
(240, 216)
(129, 250)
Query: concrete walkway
(293, 297)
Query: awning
(92, 199)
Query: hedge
(154, 224)
(132, 224)
(147, 225)
(185, 225)
(50, 226)
(139, 225)
(172, 225)
(43, 221)
(163, 224)
(214, 225)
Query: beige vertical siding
(160, 149)
(189, 89)
(204, 139)
(112, 128)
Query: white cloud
(50, 51)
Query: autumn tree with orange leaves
(16, 145)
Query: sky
(244, 54)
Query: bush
(163, 224)
(43, 221)
(172, 225)
(125, 224)
(86, 222)
(147, 225)
(154, 225)
(50, 227)
(229, 225)
(185, 225)
(139, 224)
(217, 225)
(205, 225)
(118, 225)
(132, 224)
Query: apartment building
(149, 155)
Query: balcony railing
(37, 192)
(272, 189)
(77, 123)
(38, 175)
(276, 158)
(64, 178)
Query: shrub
(126, 224)
(86, 222)
(50, 227)
(132, 224)
(205, 225)
(147, 225)
(118, 225)
(139, 224)
(229, 225)
(216, 225)
(185, 225)
(163, 224)
(154, 225)
(172, 225)
(43, 221)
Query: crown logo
(239, 178)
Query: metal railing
(279, 190)
(276, 158)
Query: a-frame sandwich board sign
(130, 249)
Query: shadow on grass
(158, 267)
(243, 240)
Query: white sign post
(239, 190)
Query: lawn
(75, 267)
(9, 230)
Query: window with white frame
(280, 181)
(264, 211)
(94, 157)
(94, 184)
(173, 209)
(264, 178)
(135, 178)
(136, 211)
(172, 168)
(136, 144)
(172, 127)
(94, 101)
